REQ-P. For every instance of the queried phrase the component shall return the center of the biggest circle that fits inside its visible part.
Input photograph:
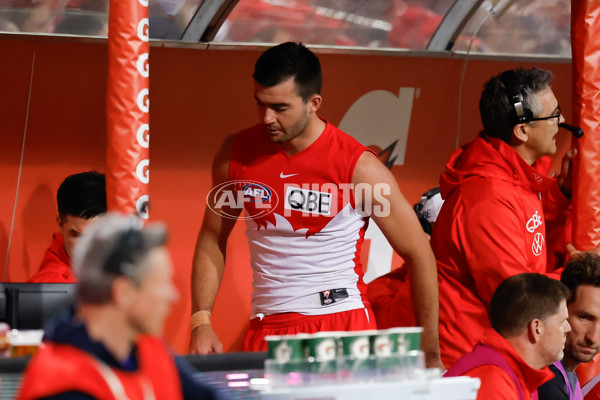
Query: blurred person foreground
(110, 345)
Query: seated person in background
(528, 314)
(389, 294)
(582, 277)
(80, 198)
(108, 347)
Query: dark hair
(522, 298)
(290, 60)
(496, 109)
(114, 245)
(583, 269)
(82, 195)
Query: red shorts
(292, 323)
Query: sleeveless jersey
(303, 230)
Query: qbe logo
(229, 198)
(307, 201)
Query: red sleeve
(593, 394)
(557, 212)
(53, 277)
(55, 266)
(493, 238)
(495, 383)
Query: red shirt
(56, 266)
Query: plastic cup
(286, 347)
(356, 344)
(25, 342)
(405, 339)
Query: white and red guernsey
(304, 233)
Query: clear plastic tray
(312, 371)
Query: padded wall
(197, 98)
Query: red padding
(127, 173)
(585, 37)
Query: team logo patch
(538, 244)
(534, 222)
(331, 296)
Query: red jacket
(390, 300)
(496, 384)
(56, 266)
(492, 226)
(594, 393)
(61, 368)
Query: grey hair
(113, 245)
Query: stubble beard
(293, 131)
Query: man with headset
(500, 205)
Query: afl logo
(256, 192)
(538, 244)
(229, 198)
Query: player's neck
(109, 326)
(308, 136)
(526, 154)
(529, 352)
(569, 362)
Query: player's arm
(209, 260)
(395, 217)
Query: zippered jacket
(494, 223)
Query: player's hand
(565, 178)
(434, 361)
(431, 347)
(204, 340)
(572, 251)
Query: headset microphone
(575, 130)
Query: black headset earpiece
(431, 192)
(512, 83)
